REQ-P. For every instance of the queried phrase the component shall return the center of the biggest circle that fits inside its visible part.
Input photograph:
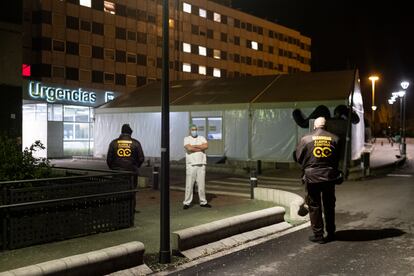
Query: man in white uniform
(195, 160)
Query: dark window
(120, 56)
(223, 37)
(120, 33)
(151, 19)
(39, 17)
(270, 65)
(223, 55)
(210, 33)
(97, 28)
(260, 63)
(281, 52)
(254, 28)
(177, 66)
(209, 71)
(120, 10)
(142, 38)
(248, 43)
(210, 52)
(223, 73)
(109, 77)
(260, 30)
(176, 45)
(248, 60)
(98, 5)
(131, 58)
(141, 15)
(141, 59)
(236, 40)
(194, 68)
(58, 45)
(224, 19)
(194, 29)
(159, 62)
(41, 70)
(280, 37)
(42, 43)
(194, 49)
(243, 25)
(210, 15)
(97, 52)
(141, 81)
(271, 49)
(132, 35)
(120, 79)
(237, 23)
(131, 13)
(76, 2)
(271, 34)
(72, 22)
(243, 59)
(237, 74)
(72, 48)
(260, 46)
(85, 25)
(97, 76)
(281, 67)
(194, 9)
(236, 58)
(72, 73)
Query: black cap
(126, 129)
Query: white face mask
(194, 133)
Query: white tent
(254, 113)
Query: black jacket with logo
(318, 155)
(125, 153)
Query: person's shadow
(367, 234)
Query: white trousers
(195, 173)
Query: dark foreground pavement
(375, 229)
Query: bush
(18, 165)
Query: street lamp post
(404, 86)
(373, 79)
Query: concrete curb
(99, 262)
(284, 198)
(211, 232)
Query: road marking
(400, 175)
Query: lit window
(186, 67)
(216, 54)
(202, 13)
(186, 47)
(186, 7)
(202, 70)
(255, 45)
(85, 3)
(217, 72)
(109, 7)
(171, 23)
(217, 17)
(202, 51)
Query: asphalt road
(375, 230)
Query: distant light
(26, 72)
(401, 93)
(405, 84)
(373, 78)
(394, 97)
(391, 101)
(374, 107)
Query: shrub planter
(45, 210)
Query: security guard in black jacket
(318, 155)
(125, 153)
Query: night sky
(346, 35)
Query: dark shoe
(185, 206)
(330, 237)
(317, 239)
(206, 205)
(303, 211)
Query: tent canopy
(299, 87)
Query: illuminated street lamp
(373, 79)
(404, 86)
